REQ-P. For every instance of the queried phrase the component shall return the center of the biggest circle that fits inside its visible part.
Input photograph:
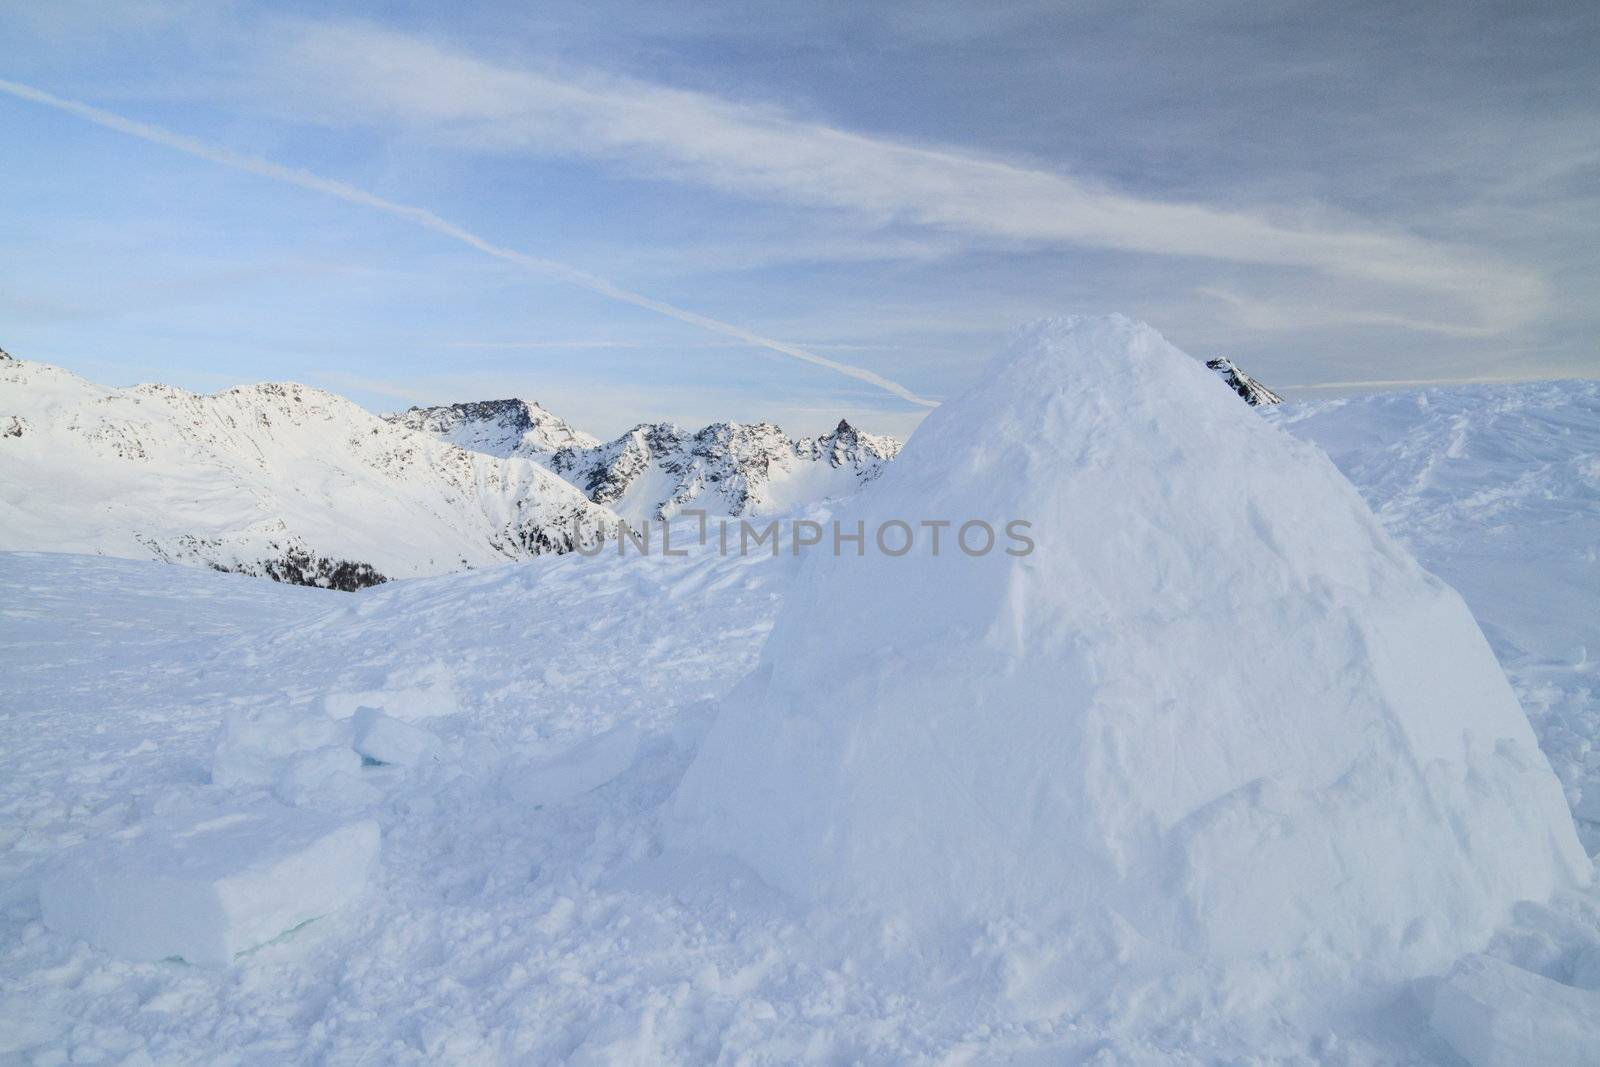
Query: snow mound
(204, 891)
(1217, 705)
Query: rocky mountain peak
(504, 428)
(658, 469)
(1254, 393)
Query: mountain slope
(279, 480)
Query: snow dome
(1216, 701)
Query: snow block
(1216, 701)
(255, 744)
(1495, 1014)
(208, 889)
(386, 739)
(303, 756)
(585, 768)
(422, 692)
(327, 778)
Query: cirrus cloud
(358, 73)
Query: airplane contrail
(428, 220)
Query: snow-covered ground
(524, 909)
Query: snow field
(527, 909)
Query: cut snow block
(1215, 699)
(1497, 1015)
(327, 778)
(256, 743)
(420, 693)
(584, 768)
(204, 890)
(385, 739)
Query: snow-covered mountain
(656, 470)
(502, 428)
(279, 480)
(1254, 393)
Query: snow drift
(1218, 704)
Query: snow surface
(1497, 490)
(525, 910)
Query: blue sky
(1328, 193)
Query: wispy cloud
(1406, 383)
(658, 346)
(428, 220)
(1267, 314)
(357, 72)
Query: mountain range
(289, 482)
(657, 470)
(278, 480)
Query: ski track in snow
(504, 930)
